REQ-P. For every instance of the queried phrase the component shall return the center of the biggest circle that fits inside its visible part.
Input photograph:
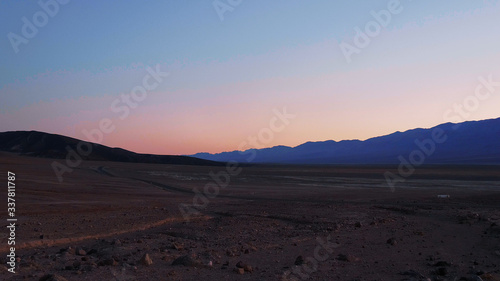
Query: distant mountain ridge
(45, 145)
(472, 142)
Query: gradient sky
(226, 76)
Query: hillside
(40, 144)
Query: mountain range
(472, 142)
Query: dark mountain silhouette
(473, 142)
(39, 144)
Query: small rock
(246, 267)
(177, 246)
(348, 258)
(92, 251)
(187, 260)
(81, 252)
(392, 241)
(107, 262)
(442, 271)
(299, 260)
(239, 270)
(71, 250)
(146, 260)
(358, 224)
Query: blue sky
(92, 51)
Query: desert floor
(264, 223)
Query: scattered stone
(177, 246)
(244, 266)
(232, 252)
(107, 262)
(52, 277)
(187, 260)
(70, 250)
(299, 260)
(358, 224)
(92, 251)
(248, 268)
(81, 252)
(392, 241)
(442, 271)
(239, 270)
(146, 260)
(348, 258)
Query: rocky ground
(116, 221)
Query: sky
(181, 77)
